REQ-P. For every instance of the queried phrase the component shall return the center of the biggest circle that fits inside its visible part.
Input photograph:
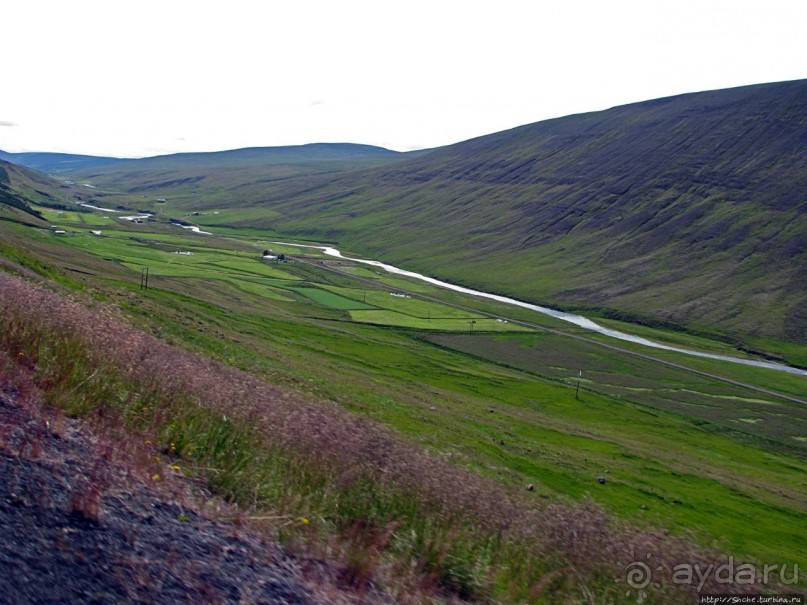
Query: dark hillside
(699, 199)
(19, 187)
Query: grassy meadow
(709, 461)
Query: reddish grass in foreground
(386, 510)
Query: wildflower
(175, 467)
(155, 477)
(173, 447)
(148, 441)
(303, 521)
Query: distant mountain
(315, 152)
(688, 210)
(56, 162)
(186, 173)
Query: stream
(577, 320)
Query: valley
(529, 399)
(489, 372)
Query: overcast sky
(128, 78)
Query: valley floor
(706, 460)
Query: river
(577, 320)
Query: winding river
(577, 320)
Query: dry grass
(330, 483)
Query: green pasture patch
(634, 379)
(363, 271)
(53, 215)
(260, 289)
(412, 285)
(75, 220)
(329, 299)
(256, 267)
(230, 216)
(156, 236)
(776, 380)
(91, 219)
(158, 269)
(418, 308)
(405, 303)
(442, 324)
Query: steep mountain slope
(688, 210)
(19, 188)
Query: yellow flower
(155, 477)
(175, 467)
(303, 521)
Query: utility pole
(577, 391)
(144, 278)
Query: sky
(139, 78)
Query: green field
(682, 451)
(329, 299)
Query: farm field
(680, 450)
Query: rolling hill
(56, 162)
(210, 172)
(93, 165)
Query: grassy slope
(665, 466)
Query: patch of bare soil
(78, 525)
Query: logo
(638, 575)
